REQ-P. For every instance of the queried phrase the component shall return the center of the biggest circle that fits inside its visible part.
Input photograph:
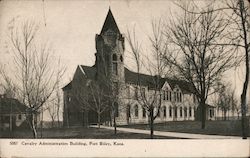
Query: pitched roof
(145, 80)
(68, 86)
(90, 72)
(11, 105)
(148, 80)
(110, 23)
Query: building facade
(178, 101)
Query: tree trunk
(151, 123)
(203, 114)
(225, 115)
(99, 119)
(244, 123)
(114, 123)
(33, 126)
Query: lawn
(78, 133)
(229, 128)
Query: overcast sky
(71, 26)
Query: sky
(71, 26)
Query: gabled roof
(11, 105)
(68, 86)
(110, 24)
(145, 80)
(148, 80)
(90, 72)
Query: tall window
(180, 97)
(164, 95)
(143, 91)
(190, 111)
(143, 112)
(164, 111)
(175, 111)
(136, 110)
(167, 93)
(170, 96)
(128, 111)
(115, 67)
(180, 111)
(170, 111)
(185, 111)
(175, 99)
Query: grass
(77, 133)
(229, 128)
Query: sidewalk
(171, 134)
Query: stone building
(178, 101)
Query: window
(143, 112)
(190, 111)
(116, 109)
(164, 95)
(175, 111)
(180, 111)
(128, 111)
(121, 58)
(180, 97)
(211, 112)
(164, 111)
(136, 110)
(175, 99)
(114, 57)
(170, 96)
(185, 112)
(170, 111)
(115, 66)
(19, 117)
(167, 95)
(143, 91)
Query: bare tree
(240, 39)
(35, 77)
(150, 99)
(238, 32)
(195, 55)
(91, 97)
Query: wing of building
(83, 96)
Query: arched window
(128, 110)
(175, 112)
(190, 111)
(114, 63)
(164, 111)
(170, 111)
(185, 111)
(136, 110)
(143, 112)
(116, 109)
(180, 111)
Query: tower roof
(110, 23)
